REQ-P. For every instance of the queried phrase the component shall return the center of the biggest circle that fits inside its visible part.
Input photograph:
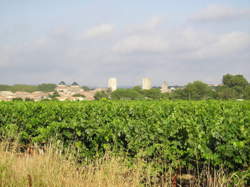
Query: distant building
(38, 95)
(75, 93)
(65, 92)
(62, 98)
(112, 84)
(3, 98)
(7, 95)
(164, 87)
(215, 85)
(75, 89)
(175, 87)
(61, 88)
(62, 83)
(146, 84)
(69, 90)
(75, 84)
(23, 95)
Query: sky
(89, 41)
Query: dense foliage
(233, 87)
(135, 93)
(194, 91)
(178, 134)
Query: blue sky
(90, 41)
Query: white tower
(146, 84)
(164, 87)
(112, 84)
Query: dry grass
(51, 168)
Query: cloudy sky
(88, 41)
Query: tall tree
(46, 87)
(246, 94)
(236, 82)
(126, 94)
(224, 92)
(232, 81)
(198, 90)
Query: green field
(176, 134)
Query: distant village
(62, 92)
(73, 92)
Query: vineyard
(176, 134)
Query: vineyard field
(174, 133)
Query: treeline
(232, 87)
(28, 88)
(135, 93)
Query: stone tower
(146, 84)
(112, 84)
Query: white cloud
(140, 43)
(179, 55)
(154, 22)
(100, 30)
(149, 26)
(228, 44)
(217, 13)
(185, 44)
(186, 40)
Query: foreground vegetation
(50, 167)
(181, 136)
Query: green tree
(46, 87)
(54, 95)
(79, 95)
(179, 94)
(28, 99)
(126, 94)
(17, 99)
(102, 94)
(86, 88)
(198, 90)
(195, 91)
(154, 93)
(137, 87)
(246, 93)
(232, 81)
(236, 82)
(224, 92)
(23, 88)
(4, 87)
